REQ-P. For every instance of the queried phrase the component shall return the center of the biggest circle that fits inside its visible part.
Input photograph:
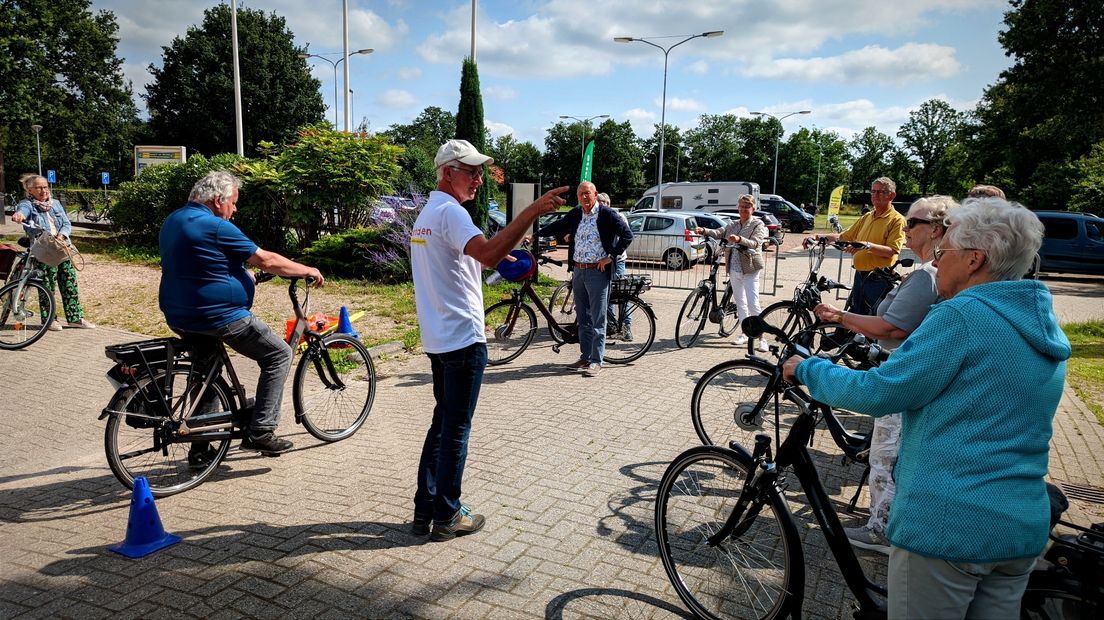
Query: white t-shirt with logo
(447, 288)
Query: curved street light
(305, 55)
(774, 186)
(663, 104)
(586, 123)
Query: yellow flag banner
(835, 201)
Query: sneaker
(866, 538)
(420, 527)
(763, 346)
(627, 335)
(54, 326)
(463, 524)
(81, 324)
(741, 339)
(580, 364)
(592, 370)
(201, 455)
(266, 444)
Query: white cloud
(502, 93)
(410, 73)
(395, 98)
(642, 121)
(699, 67)
(906, 64)
(678, 104)
(498, 129)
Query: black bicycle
(170, 395)
(702, 305)
(27, 306)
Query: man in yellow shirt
(882, 231)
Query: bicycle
(735, 519)
(27, 306)
(702, 305)
(169, 396)
(511, 325)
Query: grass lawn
(1085, 369)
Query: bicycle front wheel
(786, 316)
(510, 327)
(753, 575)
(562, 306)
(26, 311)
(631, 334)
(147, 446)
(335, 384)
(725, 405)
(691, 318)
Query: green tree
(805, 154)
(870, 154)
(561, 155)
(59, 69)
(470, 127)
(191, 98)
(617, 157)
(930, 132)
(676, 160)
(421, 139)
(1088, 191)
(713, 149)
(1045, 112)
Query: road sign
(51, 176)
(105, 178)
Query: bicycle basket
(629, 286)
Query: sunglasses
(913, 222)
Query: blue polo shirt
(204, 283)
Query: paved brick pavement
(564, 467)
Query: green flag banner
(588, 162)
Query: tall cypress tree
(469, 126)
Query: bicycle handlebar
(858, 348)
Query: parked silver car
(669, 236)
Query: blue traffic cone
(144, 531)
(344, 326)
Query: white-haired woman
(897, 316)
(978, 384)
(40, 214)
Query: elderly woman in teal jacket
(979, 382)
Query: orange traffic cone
(144, 531)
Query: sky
(852, 63)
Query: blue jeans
(866, 293)
(254, 339)
(457, 377)
(626, 320)
(591, 289)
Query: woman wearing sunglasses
(897, 316)
(978, 383)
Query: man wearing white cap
(447, 253)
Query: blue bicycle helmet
(521, 269)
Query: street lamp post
(820, 155)
(774, 186)
(38, 146)
(586, 123)
(335, 64)
(663, 102)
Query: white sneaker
(592, 370)
(763, 345)
(866, 538)
(54, 326)
(741, 339)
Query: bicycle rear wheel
(510, 328)
(632, 333)
(334, 387)
(140, 446)
(730, 318)
(786, 316)
(21, 309)
(723, 406)
(691, 318)
(753, 575)
(562, 306)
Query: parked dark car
(1073, 243)
(787, 212)
(774, 228)
(547, 243)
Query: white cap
(462, 151)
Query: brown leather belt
(586, 265)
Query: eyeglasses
(880, 191)
(913, 222)
(472, 174)
(938, 252)
(40, 187)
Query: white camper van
(706, 196)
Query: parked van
(1074, 242)
(688, 195)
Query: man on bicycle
(206, 293)
(883, 233)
